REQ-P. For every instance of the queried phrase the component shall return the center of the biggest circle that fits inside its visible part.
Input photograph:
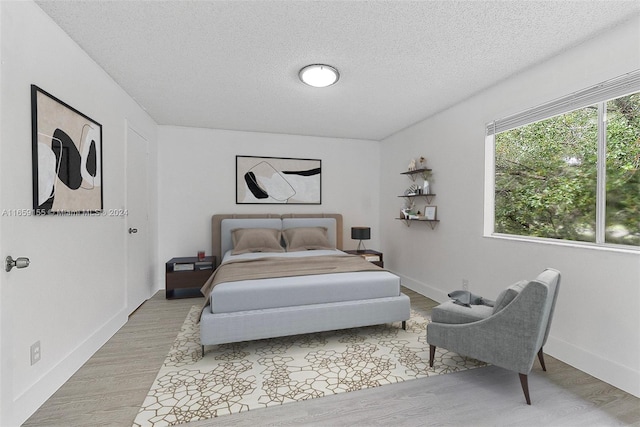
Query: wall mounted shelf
(425, 173)
(432, 222)
(428, 197)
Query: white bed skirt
(249, 325)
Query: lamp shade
(361, 233)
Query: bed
(291, 289)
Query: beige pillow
(256, 240)
(306, 238)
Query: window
(623, 170)
(570, 169)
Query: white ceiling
(234, 64)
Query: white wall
(597, 321)
(72, 297)
(197, 179)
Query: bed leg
(404, 325)
(203, 351)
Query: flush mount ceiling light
(319, 75)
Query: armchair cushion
(452, 313)
(506, 296)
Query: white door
(139, 278)
(4, 335)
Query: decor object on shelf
(412, 165)
(361, 233)
(319, 75)
(66, 156)
(430, 212)
(278, 180)
(410, 214)
(412, 190)
(508, 335)
(422, 162)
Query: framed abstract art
(278, 180)
(67, 157)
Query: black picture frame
(278, 180)
(66, 157)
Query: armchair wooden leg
(524, 382)
(432, 354)
(541, 359)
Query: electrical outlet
(35, 352)
(465, 284)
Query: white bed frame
(220, 328)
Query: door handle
(133, 230)
(21, 262)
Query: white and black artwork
(67, 157)
(277, 180)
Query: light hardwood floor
(110, 387)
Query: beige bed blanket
(270, 267)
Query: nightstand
(370, 255)
(184, 276)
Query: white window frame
(596, 95)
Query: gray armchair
(509, 335)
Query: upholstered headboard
(220, 239)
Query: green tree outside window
(546, 175)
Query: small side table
(187, 275)
(370, 255)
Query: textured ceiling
(234, 64)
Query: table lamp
(361, 233)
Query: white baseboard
(617, 375)
(29, 401)
(422, 288)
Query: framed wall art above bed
(278, 180)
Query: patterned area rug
(238, 377)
